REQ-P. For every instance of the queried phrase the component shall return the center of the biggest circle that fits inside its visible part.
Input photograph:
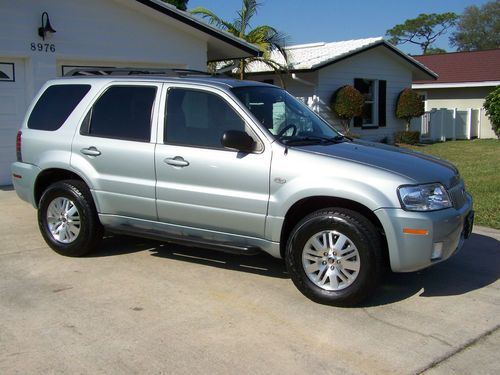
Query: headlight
(429, 197)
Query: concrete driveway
(140, 306)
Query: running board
(184, 240)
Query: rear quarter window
(55, 105)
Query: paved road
(140, 306)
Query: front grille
(457, 195)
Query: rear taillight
(18, 146)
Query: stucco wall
(93, 31)
(460, 98)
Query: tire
(68, 219)
(334, 257)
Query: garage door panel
(12, 108)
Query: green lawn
(479, 165)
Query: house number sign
(43, 47)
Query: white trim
(454, 85)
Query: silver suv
(236, 166)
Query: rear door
(114, 148)
(201, 184)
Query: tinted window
(123, 112)
(55, 105)
(198, 118)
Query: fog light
(437, 251)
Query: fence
(442, 124)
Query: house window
(374, 110)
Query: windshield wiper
(313, 140)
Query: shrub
(492, 106)
(407, 137)
(409, 105)
(346, 103)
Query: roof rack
(170, 72)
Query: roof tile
(459, 67)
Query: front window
(282, 115)
(368, 88)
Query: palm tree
(266, 38)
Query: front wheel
(68, 219)
(334, 257)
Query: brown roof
(458, 67)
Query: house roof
(310, 57)
(462, 69)
(221, 44)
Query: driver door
(201, 184)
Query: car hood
(421, 168)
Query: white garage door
(12, 109)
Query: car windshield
(286, 118)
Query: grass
(479, 164)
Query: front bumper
(444, 230)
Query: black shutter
(358, 83)
(382, 100)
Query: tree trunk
(242, 69)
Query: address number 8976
(43, 47)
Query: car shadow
(474, 267)
(6, 188)
(260, 264)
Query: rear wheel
(334, 257)
(68, 219)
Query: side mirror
(238, 140)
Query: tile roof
(316, 55)
(459, 67)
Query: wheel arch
(308, 205)
(48, 176)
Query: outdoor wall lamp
(46, 26)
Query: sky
(311, 21)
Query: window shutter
(358, 121)
(382, 100)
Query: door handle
(91, 151)
(177, 161)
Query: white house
(94, 33)
(373, 66)
(454, 101)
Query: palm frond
(248, 10)
(215, 20)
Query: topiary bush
(408, 137)
(346, 103)
(409, 105)
(492, 106)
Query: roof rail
(170, 72)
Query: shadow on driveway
(475, 266)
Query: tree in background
(265, 37)
(478, 28)
(434, 51)
(408, 106)
(179, 4)
(423, 30)
(492, 106)
(347, 103)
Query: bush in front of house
(407, 137)
(492, 106)
(409, 105)
(346, 103)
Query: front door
(200, 184)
